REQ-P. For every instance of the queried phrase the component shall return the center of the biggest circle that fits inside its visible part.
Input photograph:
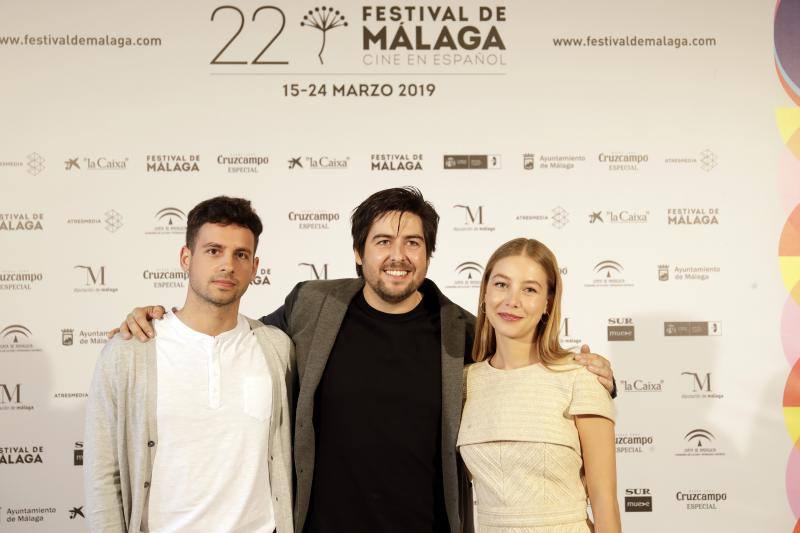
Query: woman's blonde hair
(546, 334)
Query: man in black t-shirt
(379, 363)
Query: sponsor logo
(21, 221)
(400, 162)
(19, 280)
(29, 515)
(706, 160)
(242, 163)
(70, 395)
(608, 273)
(111, 221)
(471, 162)
(692, 329)
(94, 280)
(84, 337)
(618, 217)
(21, 455)
(314, 271)
(166, 278)
(693, 216)
(313, 220)
(558, 217)
(635, 443)
(567, 337)
(552, 161)
(621, 329)
(640, 385)
(173, 163)
(468, 276)
(262, 277)
(699, 442)
(35, 164)
(96, 163)
(701, 500)
(169, 221)
(473, 218)
(623, 162)
(11, 398)
(77, 454)
(638, 501)
(16, 338)
(323, 19)
(698, 386)
(324, 162)
(528, 161)
(462, 36)
(75, 512)
(687, 273)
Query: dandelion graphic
(323, 19)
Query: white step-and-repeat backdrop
(652, 145)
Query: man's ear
(185, 258)
(255, 269)
(358, 257)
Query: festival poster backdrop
(642, 141)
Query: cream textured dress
(519, 441)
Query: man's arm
(277, 318)
(101, 464)
(280, 317)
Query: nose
(512, 299)
(396, 252)
(226, 263)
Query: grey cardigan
(312, 315)
(121, 438)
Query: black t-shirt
(377, 418)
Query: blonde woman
(533, 420)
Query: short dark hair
(222, 210)
(402, 199)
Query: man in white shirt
(190, 431)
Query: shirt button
(150, 444)
(147, 484)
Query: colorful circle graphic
(788, 119)
(793, 481)
(787, 46)
(790, 330)
(789, 180)
(791, 406)
(789, 254)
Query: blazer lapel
(453, 339)
(330, 321)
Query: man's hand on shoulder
(138, 323)
(599, 365)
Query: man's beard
(217, 302)
(382, 291)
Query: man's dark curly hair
(222, 210)
(402, 199)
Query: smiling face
(394, 262)
(222, 263)
(516, 297)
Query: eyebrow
(387, 236)
(532, 281)
(217, 245)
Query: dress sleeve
(589, 397)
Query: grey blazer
(311, 316)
